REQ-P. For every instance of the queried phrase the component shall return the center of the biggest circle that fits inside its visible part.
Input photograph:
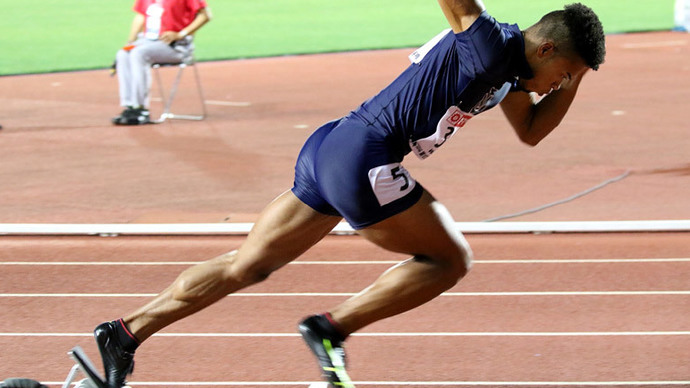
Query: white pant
(134, 67)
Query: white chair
(168, 98)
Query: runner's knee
(463, 256)
(467, 256)
(218, 276)
(461, 263)
(455, 265)
(249, 272)
(251, 275)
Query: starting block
(82, 363)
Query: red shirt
(177, 14)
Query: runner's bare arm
(533, 121)
(461, 13)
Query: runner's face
(551, 71)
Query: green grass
(61, 35)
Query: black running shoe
(329, 352)
(117, 362)
(133, 116)
(141, 116)
(122, 118)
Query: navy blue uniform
(351, 167)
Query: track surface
(62, 161)
(537, 310)
(571, 308)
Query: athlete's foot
(133, 116)
(328, 350)
(117, 362)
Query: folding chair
(168, 99)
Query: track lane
(386, 359)
(485, 246)
(446, 313)
(495, 357)
(483, 278)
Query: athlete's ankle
(127, 339)
(332, 327)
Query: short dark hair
(583, 32)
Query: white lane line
(347, 262)
(586, 261)
(216, 102)
(342, 228)
(348, 294)
(523, 383)
(405, 383)
(228, 103)
(412, 334)
(97, 263)
(669, 43)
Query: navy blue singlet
(351, 167)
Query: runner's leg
(285, 229)
(442, 256)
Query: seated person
(161, 33)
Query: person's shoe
(133, 116)
(117, 362)
(121, 119)
(141, 116)
(329, 351)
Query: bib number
(451, 122)
(390, 182)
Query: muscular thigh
(426, 228)
(285, 229)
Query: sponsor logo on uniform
(458, 119)
(451, 122)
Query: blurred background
(63, 35)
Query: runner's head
(563, 44)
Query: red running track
(536, 310)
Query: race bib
(451, 122)
(390, 182)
